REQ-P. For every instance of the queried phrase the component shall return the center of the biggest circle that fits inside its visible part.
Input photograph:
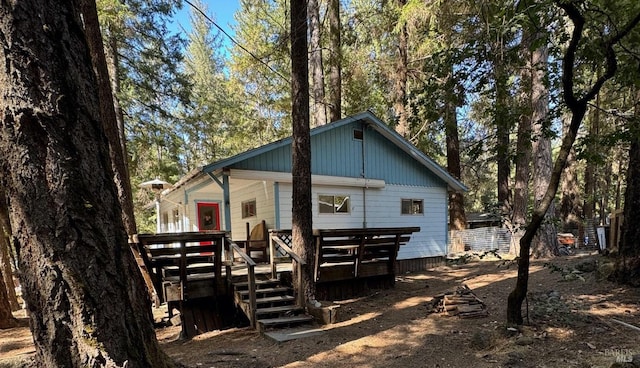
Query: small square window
(248, 208)
(333, 203)
(358, 134)
(412, 207)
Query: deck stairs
(276, 304)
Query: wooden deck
(204, 274)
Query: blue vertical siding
(335, 152)
(388, 161)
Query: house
(363, 175)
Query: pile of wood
(461, 302)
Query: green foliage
(213, 103)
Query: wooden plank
(335, 272)
(285, 320)
(374, 269)
(338, 258)
(275, 299)
(367, 231)
(188, 322)
(167, 238)
(279, 309)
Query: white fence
(479, 240)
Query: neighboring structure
(363, 173)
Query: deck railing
(233, 252)
(182, 259)
(280, 251)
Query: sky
(222, 10)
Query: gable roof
(367, 118)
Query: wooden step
(259, 283)
(284, 321)
(280, 309)
(276, 290)
(273, 299)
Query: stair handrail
(230, 249)
(299, 262)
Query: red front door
(208, 216)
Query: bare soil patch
(570, 324)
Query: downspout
(364, 176)
(276, 198)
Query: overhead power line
(234, 41)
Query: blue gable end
(336, 152)
(278, 160)
(377, 153)
(385, 160)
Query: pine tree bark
(457, 215)
(570, 209)
(5, 258)
(503, 128)
(85, 297)
(523, 147)
(6, 317)
(315, 61)
(545, 243)
(5, 267)
(335, 62)
(400, 79)
(302, 230)
(107, 111)
(590, 171)
(629, 246)
(110, 126)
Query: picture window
(333, 203)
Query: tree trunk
(302, 230)
(315, 61)
(523, 148)
(545, 243)
(110, 126)
(629, 246)
(457, 215)
(400, 79)
(5, 268)
(335, 62)
(5, 258)
(6, 317)
(85, 296)
(590, 171)
(112, 60)
(503, 127)
(570, 209)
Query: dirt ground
(571, 313)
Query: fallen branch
(626, 324)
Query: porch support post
(226, 196)
(227, 200)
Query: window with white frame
(328, 203)
(412, 206)
(249, 208)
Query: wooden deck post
(251, 270)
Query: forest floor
(570, 323)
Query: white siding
(186, 201)
(324, 221)
(262, 192)
(383, 210)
